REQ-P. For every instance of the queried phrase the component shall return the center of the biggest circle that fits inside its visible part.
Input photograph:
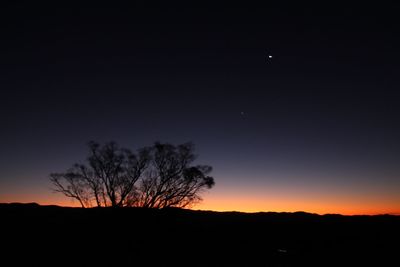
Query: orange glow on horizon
(319, 204)
(319, 199)
(289, 206)
(249, 204)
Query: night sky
(315, 127)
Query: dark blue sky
(316, 123)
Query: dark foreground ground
(35, 235)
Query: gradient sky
(314, 128)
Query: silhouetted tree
(163, 172)
(71, 185)
(108, 178)
(171, 180)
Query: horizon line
(209, 210)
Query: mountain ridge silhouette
(180, 237)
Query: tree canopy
(159, 176)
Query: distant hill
(177, 237)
